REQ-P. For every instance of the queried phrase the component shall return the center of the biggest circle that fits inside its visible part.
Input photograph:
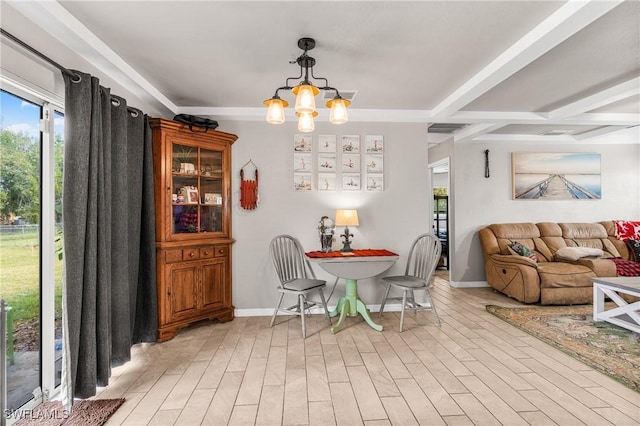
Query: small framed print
(211, 198)
(350, 163)
(327, 144)
(326, 181)
(374, 144)
(351, 181)
(326, 163)
(374, 163)
(302, 143)
(191, 196)
(375, 182)
(351, 144)
(302, 162)
(302, 181)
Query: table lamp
(346, 218)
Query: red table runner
(355, 253)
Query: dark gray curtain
(110, 300)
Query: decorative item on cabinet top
(249, 197)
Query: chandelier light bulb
(305, 121)
(338, 113)
(305, 97)
(275, 110)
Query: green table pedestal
(351, 305)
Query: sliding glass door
(31, 161)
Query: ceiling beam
(506, 117)
(605, 97)
(562, 24)
(62, 25)
(471, 132)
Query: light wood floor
(475, 369)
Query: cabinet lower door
(182, 292)
(213, 279)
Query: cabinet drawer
(222, 251)
(206, 252)
(190, 254)
(173, 256)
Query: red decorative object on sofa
(627, 229)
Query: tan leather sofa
(549, 280)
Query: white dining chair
(421, 263)
(296, 278)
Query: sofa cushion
(592, 235)
(634, 249)
(560, 274)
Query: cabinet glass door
(197, 189)
(211, 190)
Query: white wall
(480, 202)
(388, 219)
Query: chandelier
(305, 93)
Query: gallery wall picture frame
(302, 163)
(350, 163)
(326, 181)
(556, 176)
(375, 182)
(351, 181)
(350, 144)
(374, 163)
(327, 144)
(302, 143)
(302, 181)
(374, 144)
(326, 163)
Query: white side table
(626, 315)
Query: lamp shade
(275, 110)
(346, 218)
(338, 113)
(305, 97)
(305, 121)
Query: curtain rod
(74, 76)
(40, 55)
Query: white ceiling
(508, 68)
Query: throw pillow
(575, 253)
(521, 250)
(627, 229)
(634, 249)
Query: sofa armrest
(513, 259)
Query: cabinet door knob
(206, 253)
(192, 254)
(221, 251)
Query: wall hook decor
(249, 197)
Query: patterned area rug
(85, 413)
(606, 347)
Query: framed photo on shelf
(374, 144)
(212, 199)
(326, 181)
(351, 144)
(191, 196)
(351, 181)
(327, 144)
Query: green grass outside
(19, 275)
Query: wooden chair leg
(324, 304)
(433, 307)
(404, 302)
(275, 312)
(384, 300)
(304, 331)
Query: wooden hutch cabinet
(192, 185)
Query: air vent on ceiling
(446, 128)
(327, 95)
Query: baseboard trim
(267, 312)
(468, 284)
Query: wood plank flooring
(474, 370)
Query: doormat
(610, 349)
(85, 413)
